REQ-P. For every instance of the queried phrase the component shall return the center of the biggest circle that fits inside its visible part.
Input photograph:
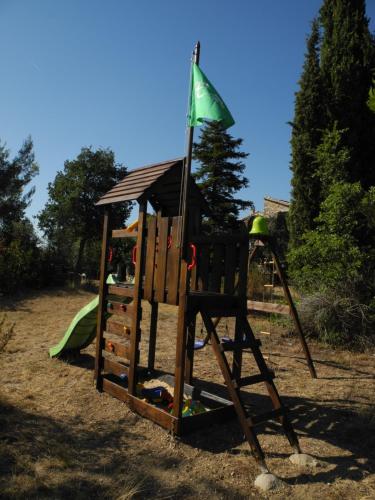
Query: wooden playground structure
(208, 278)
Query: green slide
(81, 331)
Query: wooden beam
(120, 350)
(137, 297)
(293, 311)
(267, 307)
(121, 291)
(180, 348)
(124, 233)
(152, 337)
(102, 302)
(114, 367)
(141, 407)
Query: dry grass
(60, 438)
(6, 332)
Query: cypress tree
(220, 173)
(306, 135)
(347, 60)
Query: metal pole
(187, 170)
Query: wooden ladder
(245, 339)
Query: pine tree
(220, 173)
(347, 60)
(15, 175)
(306, 135)
(19, 252)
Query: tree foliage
(333, 255)
(19, 251)
(70, 219)
(219, 174)
(15, 176)
(333, 94)
(342, 245)
(347, 60)
(371, 97)
(306, 135)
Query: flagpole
(187, 168)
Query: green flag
(205, 102)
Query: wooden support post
(135, 331)
(100, 324)
(237, 354)
(293, 311)
(180, 348)
(152, 338)
(242, 292)
(194, 229)
(190, 351)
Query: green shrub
(341, 248)
(334, 268)
(338, 316)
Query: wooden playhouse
(209, 278)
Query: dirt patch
(59, 438)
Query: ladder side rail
(271, 388)
(234, 393)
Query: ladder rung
(269, 415)
(255, 379)
(233, 346)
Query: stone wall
(273, 207)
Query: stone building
(272, 206)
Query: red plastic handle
(110, 254)
(134, 255)
(193, 262)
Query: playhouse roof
(159, 184)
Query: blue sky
(115, 74)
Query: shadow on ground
(42, 458)
(328, 422)
(17, 301)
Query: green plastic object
(259, 226)
(112, 280)
(81, 331)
